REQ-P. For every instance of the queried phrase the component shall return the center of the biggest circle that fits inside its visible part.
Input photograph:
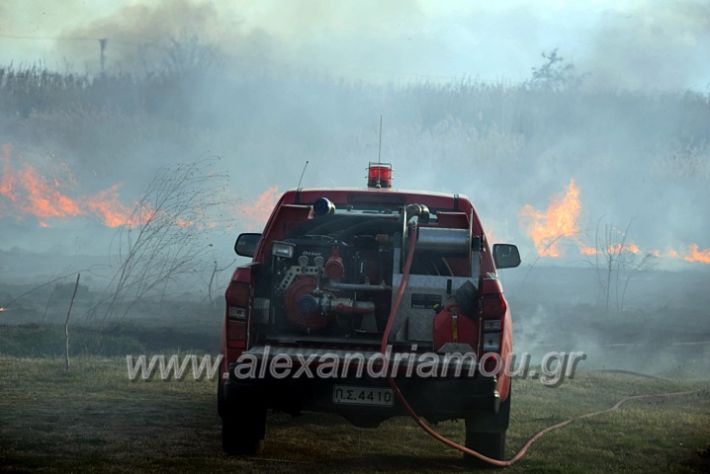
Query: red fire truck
(402, 284)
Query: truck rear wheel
(485, 433)
(243, 426)
(243, 436)
(488, 444)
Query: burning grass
(125, 118)
(559, 220)
(27, 192)
(560, 223)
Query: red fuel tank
(452, 326)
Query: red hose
(453, 444)
(400, 291)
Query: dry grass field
(92, 418)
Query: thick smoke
(659, 45)
(629, 46)
(140, 36)
(260, 88)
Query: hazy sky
(658, 44)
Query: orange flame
(618, 248)
(587, 250)
(43, 199)
(696, 255)
(110, 210)
(32, 194)
(256, 213)
(113, 213)
(557, 221)
(612, 249)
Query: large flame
(27, 193)
(43, 198)
(33, 194)
(30, 193)
(559, 220)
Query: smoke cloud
(257, 88)
(659, 45)
(630, 45)
(266, 86)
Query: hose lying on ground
(438, 436)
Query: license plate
(370, 396)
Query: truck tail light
(238, 298)
(493, 308)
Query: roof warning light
(379, 175)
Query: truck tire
(243, 426)
(486, 433)
(488, 444)
(242, 437)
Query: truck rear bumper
(434, 398)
